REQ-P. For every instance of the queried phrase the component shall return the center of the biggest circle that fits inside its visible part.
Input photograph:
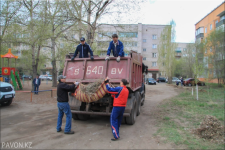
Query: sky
(186, 13)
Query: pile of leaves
(211, 129)
(90, 88)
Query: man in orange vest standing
(119, 104)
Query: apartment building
(183, 50)
(212, 21)
(142, 38)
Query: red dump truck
(86, 71)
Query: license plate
(8, 96)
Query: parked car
(191, 82)
(26, 77)
(7, 93)
(150, 81)
(175, 79)
(45, 77)
(161, 79)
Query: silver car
(175, 79)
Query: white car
(7, 93)
(45, 77)
(175, 79)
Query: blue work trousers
(116, 119)
(64, 107)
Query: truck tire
(75, 117)
(138, 102)
(131, 119)
(83, 117)
(123, 120)
(143, 102)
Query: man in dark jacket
(116, 46)
(63, 105)
(37, 83)
(119, 103)
(83, 48)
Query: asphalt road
(24, 121)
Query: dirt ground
(25, 121)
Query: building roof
(210, 12)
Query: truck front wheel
(131, 119)
(83, 117)
(75, 117)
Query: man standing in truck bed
(117, 47)
(83, 48)
(119, 104)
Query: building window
(45, 66)
(205, 30)
(144, 49)
(184, 49)
(73, 36)
(154, 64)
(144, 58)
(106, 34)
(199, 30)
(205, 50)
(130, 44)
(154, 55)
(216, 21)
(128, 34)
(222, 17)
(61, 45)
(19, 52)
(154, 46)
(144, 40)
(210, 26)
(154, 37)
(210, 49)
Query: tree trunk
(80, 23)
(89, 21)
(54, 69)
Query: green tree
(9, 10)
(166, 51)
(216, 49)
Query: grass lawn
(183, 113)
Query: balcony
(200, 35)
(178, 55)
(220, 23)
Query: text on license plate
(8, 96)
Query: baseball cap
(61, 77)
(82, 39)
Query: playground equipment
(11, 72)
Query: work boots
(70, 132)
